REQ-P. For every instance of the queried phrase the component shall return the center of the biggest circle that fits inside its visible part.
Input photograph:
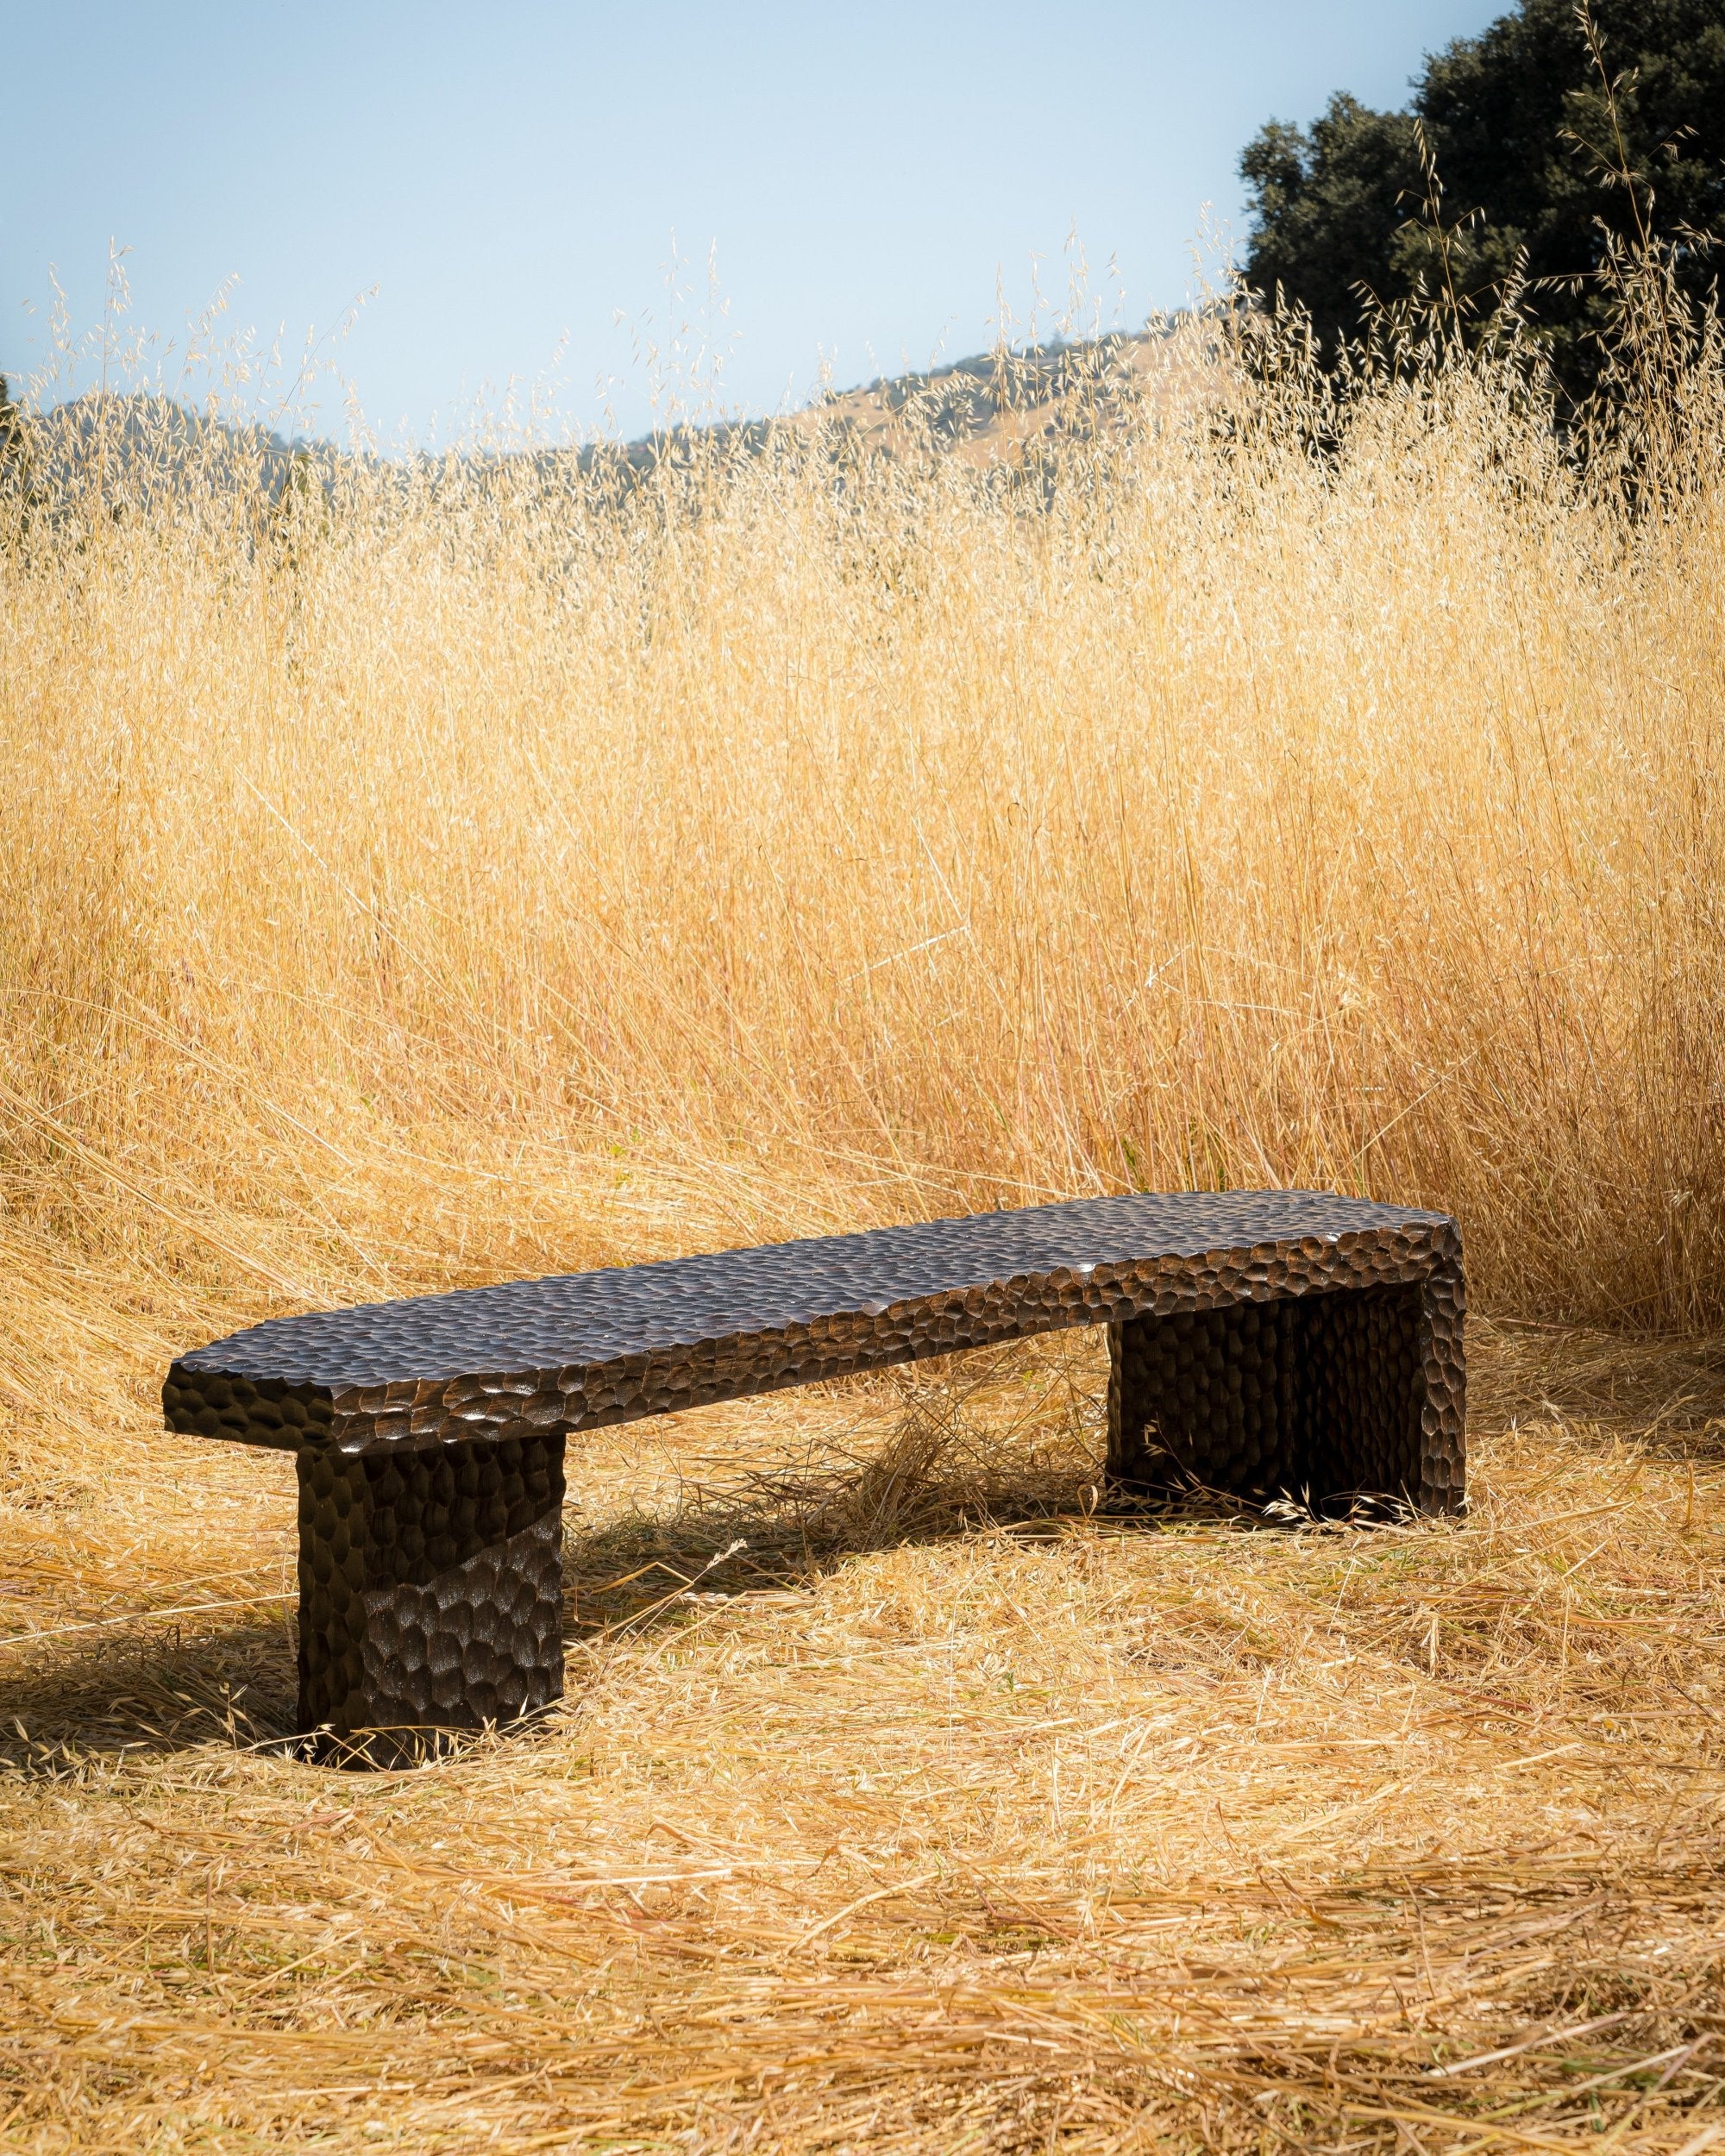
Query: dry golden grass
(487, 872)
(940, 1814)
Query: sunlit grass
(453, 873)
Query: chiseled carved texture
(541, 1357)
(430, 1590)
(1322, 1399)
(1262, 1341)
(1206, 1396)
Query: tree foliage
(1528, 154)
(11, 424)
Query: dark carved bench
(1260, 1343)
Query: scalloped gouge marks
(1260, 1342)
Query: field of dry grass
(494, 870)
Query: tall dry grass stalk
(853, 839)
(452, 872)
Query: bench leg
(1320, 1398)
(431, 1593)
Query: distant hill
(148, 441)
(995, 404)
(990, 407)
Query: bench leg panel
(430, 1592)
(1320, 1398)
(1360, 1395)
(1441, 1348)
(1206, 1396)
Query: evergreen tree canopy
(1531, 154)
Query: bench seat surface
(590, 1349)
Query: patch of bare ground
(906, 1799)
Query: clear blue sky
(508, 174)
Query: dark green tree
(11, 426)
(1529, 149)
(16, 488)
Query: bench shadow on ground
(939, 1474)
(154, 1688)
(944, 1472)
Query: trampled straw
(499, 868)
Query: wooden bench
(1261, 1343)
